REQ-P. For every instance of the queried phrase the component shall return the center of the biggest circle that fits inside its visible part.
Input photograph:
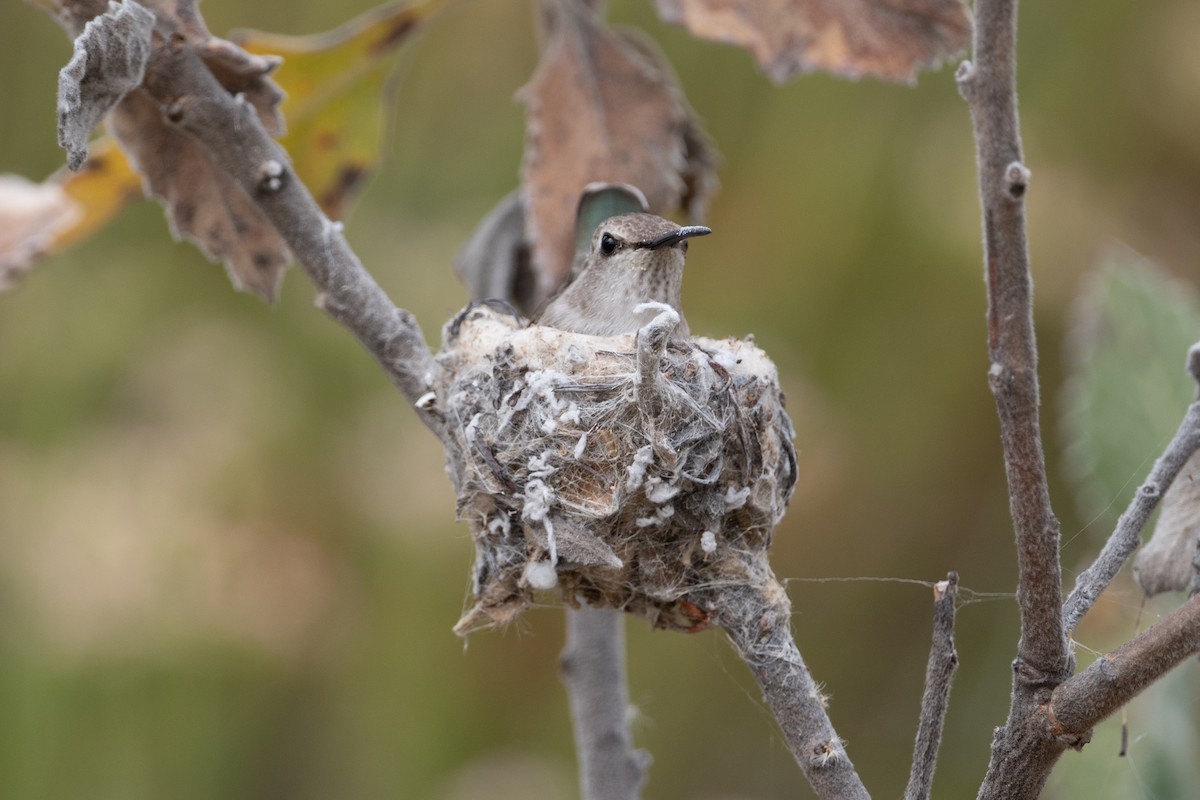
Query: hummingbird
(633, 259)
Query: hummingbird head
(632, 259)
(640, 242)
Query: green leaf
(1127, 387)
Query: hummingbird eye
(608, 244)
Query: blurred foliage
(1126, 388)
(1131, 326)
(230, 563)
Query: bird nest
(632, 472)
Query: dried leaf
(700, 156)
(701, 160)
(109, 61)
(890, 39)
(31, 215)
(336, 109)
(601, 107)
(494, 262)
(202, 202)
(1165, 563)
(238, 71)
(245, 75)
(338, 101)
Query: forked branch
(1115, 678)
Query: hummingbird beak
(668, 239)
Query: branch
(939, 673)
(989, 87)
(1023, 751)
(1050, 711)
(593, 669)
(1127, 536)
(192, 99)
(1114, 679)
(593, 664)
(758, 623)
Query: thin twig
(1194, 585)
(1127, 536)
(193, 99)
(593, 669)
(989, 87)
(758, 623)
(939, 673)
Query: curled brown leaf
(238, 71)
(109, 61)
(203, 203)
(602, 106)
(890, 39)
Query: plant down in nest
(636, 472)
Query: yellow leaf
(104, 185)
(337, 101)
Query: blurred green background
(230, 564)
